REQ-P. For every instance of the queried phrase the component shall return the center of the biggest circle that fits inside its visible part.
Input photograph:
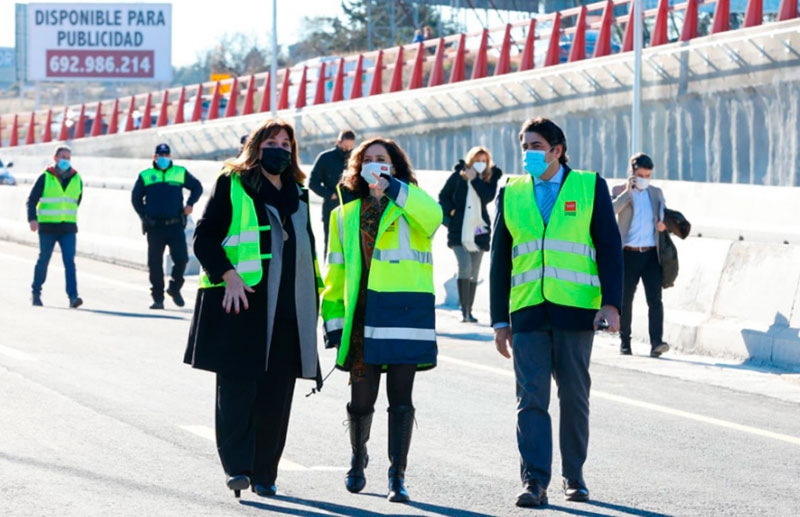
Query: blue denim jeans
(47, 242)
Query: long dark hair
(402, 167)
(248, 163)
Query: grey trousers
(469, 263)
(565, 355)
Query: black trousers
(158, 238)
(252, 415)
(645, 266)
(326, 223)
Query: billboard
(114, 42)
(8, 70)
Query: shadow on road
(472, 336)
(350, 511)
(128, 314)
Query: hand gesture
(378, 188)
(235, 292)
(502, 341)
(608, 315)
(660, 226)
(468, 174)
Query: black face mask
(275, 160)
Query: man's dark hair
(549, 131)
(346, 134)
(641, 161)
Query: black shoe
(265, 490)
(175, 294)
(237, 484)
(36, 300)
(575, 491)
(471, 318)
(76, 302)
(658, 349)
(625, 350)
(157, 305)
(533, 495)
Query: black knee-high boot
(473, 286)
(463, 297)
(359, 435)
(401, 422)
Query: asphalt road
(98, 416)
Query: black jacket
(453, 197)
(325, 175)
(667, 252)
(161, 201)
(36, 195)
(608, 245)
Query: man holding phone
(640, 211)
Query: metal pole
(636, 116)
(273, 66)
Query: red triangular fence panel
(162, 112)
(358, 83)
(63, 133)
(80, 130)
(213, 110)
(755, 13)
(416, 73)
(247, 109)
(689, 30)
(97, 123)
(300, 102)
(265, 95)
(603, 45)
(578, 50)
(48, 132)
(397, 73)
(480, 67)
(148, 113)
(457, 73)
(659, 36)
(233, 99)
(437, 74)
(113, 125)
(338, 83)
(14, 140)
(787, 10)
(722, 17)
(283, 101)
(319, 95)
(553, 57)
(504, 62)
(30, 138)
(181, 104)
(376, 88)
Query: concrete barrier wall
(733, 298)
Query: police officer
(158, 199)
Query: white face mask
(479, 167)
(642, 183)
(378, 168)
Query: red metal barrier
(755, 13)
(14, 141)
(659, 36)
(627, 38)
(526, 63)
(148, 112)
(197, 111)
(264, 104)
(504, 62)
(397, 74)
(578, 50)
(480, 68)
(603, 45)
(30, 138)
(300, 102)
(97, 123)
(376, 88)
(338, 83)
(80, 132)
(553, 57)
(416, 72)
(457, 73)
(162, 112)
(722, 17)
(437, 73)
(48, 133)
(358, 82)
(319, 96)
(689, 30)
(181, 103)
(233, 99)
(283, 100)
(787, 10)
(248, 97)
(63, 133)
(213, 109)
(113, 125)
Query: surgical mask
(275, 160)
(378, 168)
(63, 164)
(162, 162)
(534, 163)
(479, 167)
(642, 183)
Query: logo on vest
(153, 177)
(392, 227)
(571, 208)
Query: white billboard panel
(100, 41)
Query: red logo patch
(570, 208)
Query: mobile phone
(602, 325)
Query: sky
(197, 29)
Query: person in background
(378, 302)
(255, 318)
(157, 197)
(326, 173)
(53, 213)
(640, 210)
(464, 197)
(242, 141)
(555, 278)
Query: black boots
(359, 435)
(473, 286)
(401, 422)
(466, 295)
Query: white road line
(16, 354)
(209, 434)
(645, 405)
(101, 278)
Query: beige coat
(623, 207)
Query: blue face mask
(534, 163)
(63, 164)
(162, 162)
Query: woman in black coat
(464, 197)
(255, 318)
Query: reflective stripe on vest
(57, 204)
(175, 175)
(557, 262)
(242, 245)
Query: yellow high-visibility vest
(59, 204)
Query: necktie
(549, 193)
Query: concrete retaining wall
(737, 294)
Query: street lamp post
(273, 67)
(636, 115)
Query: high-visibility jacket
(59, 204)
(399, 320)
(554, 262)
(175, 175)
(242, 244)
